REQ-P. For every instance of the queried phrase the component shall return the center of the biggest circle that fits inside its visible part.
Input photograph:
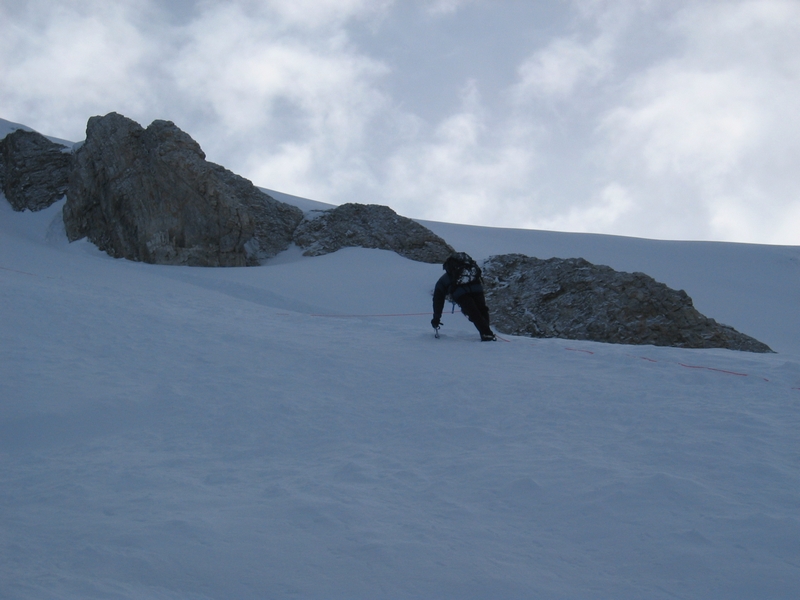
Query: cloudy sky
(666, 119)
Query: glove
(436, 322)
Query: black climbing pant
(474, 307)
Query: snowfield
(295, 431)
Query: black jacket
(443, 288)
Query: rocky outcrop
(369, 226)
(34, 172)
(149, 195)
(574, 299)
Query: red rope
(697, 367)
(22, 272)
(363, 316)
(713, 369)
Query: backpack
(462, 270)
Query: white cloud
(74, 57)
(445, 7)
(262, 85)
(242, 68)
(704, 136)
(293, 107)
(561, 67)
(315, 14)
(684, 122)
(612, 204)
(466, 172)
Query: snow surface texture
(187, 433)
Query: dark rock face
(370, 226)
(149, 195)
(34, 172)
(574, 299)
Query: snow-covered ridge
(147, 234)
(7, 127)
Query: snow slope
(192, 433)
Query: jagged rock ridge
(370, 226)
(575, 299)
(34, 172)
(149, 195)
